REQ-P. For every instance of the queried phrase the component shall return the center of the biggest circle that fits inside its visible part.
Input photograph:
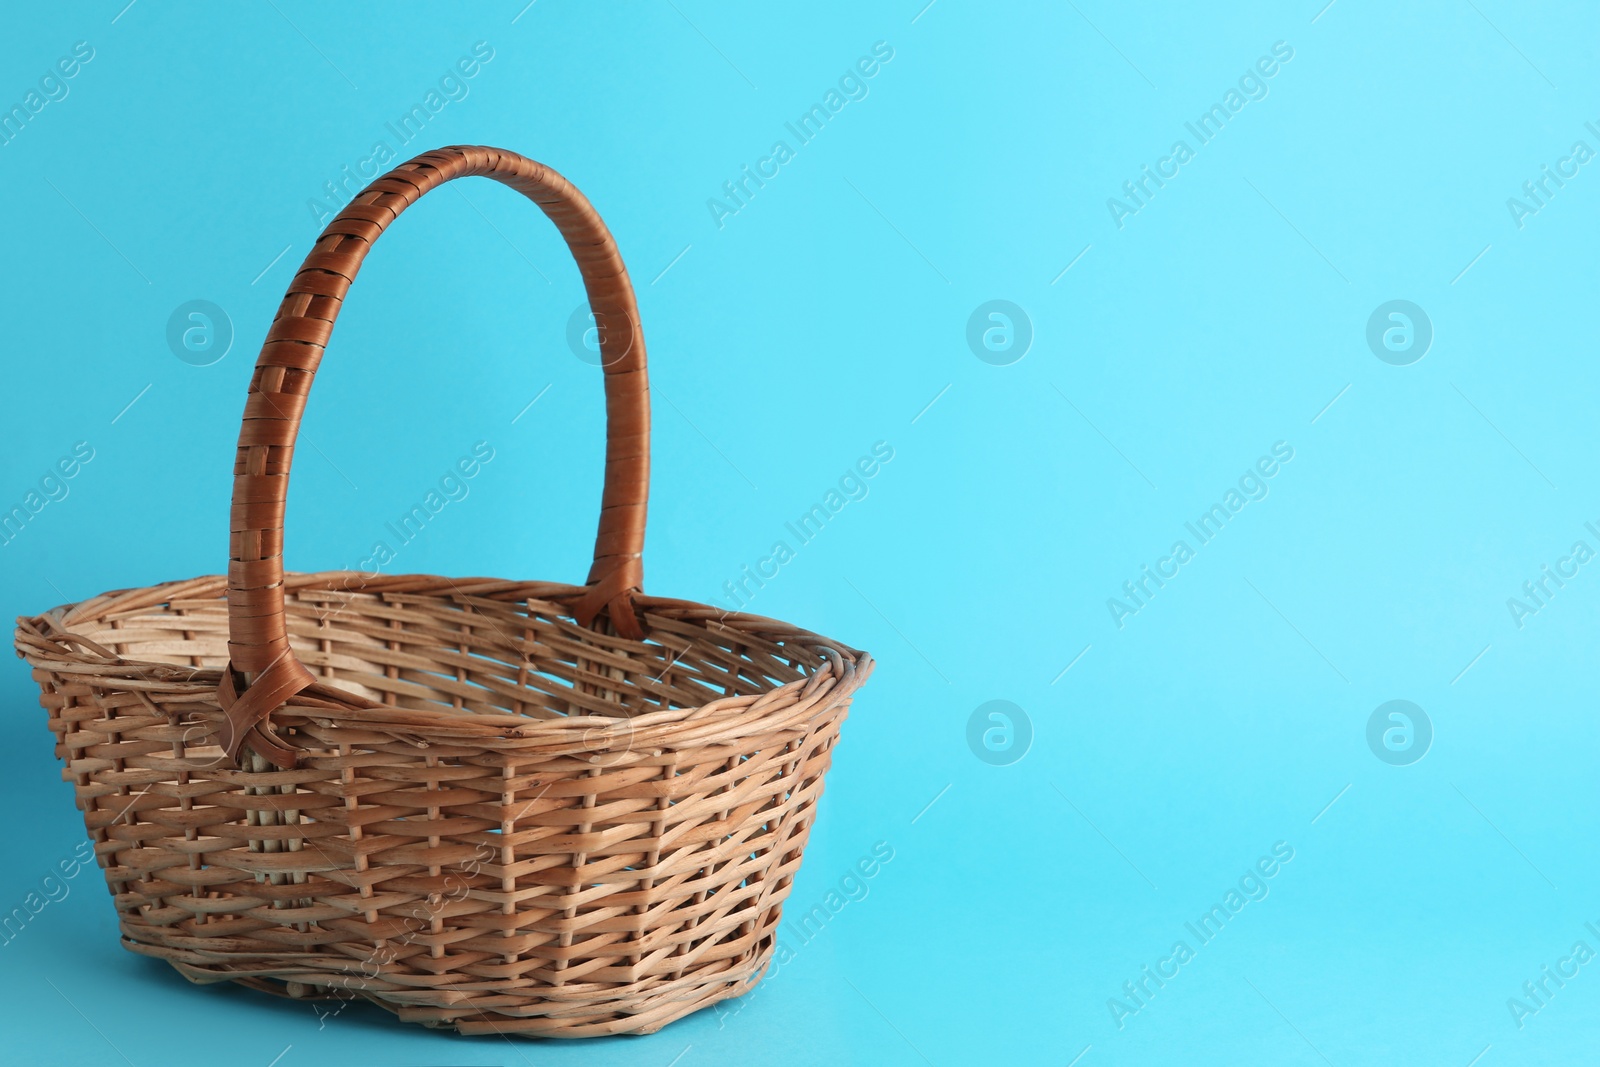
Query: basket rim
(42, 641)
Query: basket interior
(473, 654)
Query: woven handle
(263, 673)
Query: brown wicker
(497, 806)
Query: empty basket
(498, 806)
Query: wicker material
(518, 807)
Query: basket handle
(263, 673)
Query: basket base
(644, 1011)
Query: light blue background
(825, 316)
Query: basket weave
(497, 806)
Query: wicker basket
(497, 806)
